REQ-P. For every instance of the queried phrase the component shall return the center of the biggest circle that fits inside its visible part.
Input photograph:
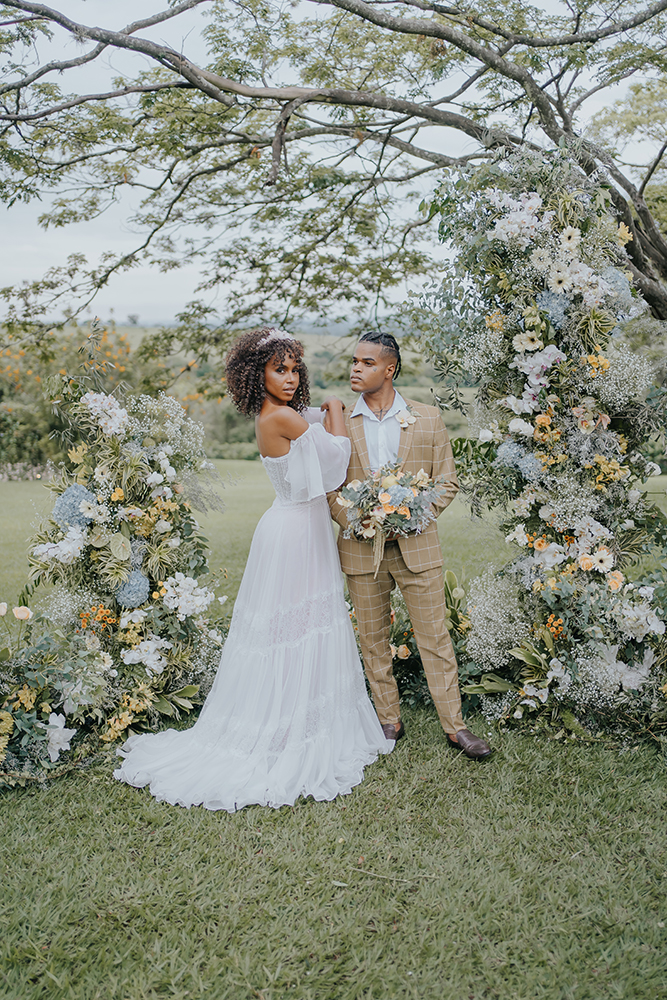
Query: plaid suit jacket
(424, 445)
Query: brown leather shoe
(393, 731)
(471, 745)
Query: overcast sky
(27, 251)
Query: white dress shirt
(383, 437)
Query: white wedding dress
(288, 713)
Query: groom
(413, 562)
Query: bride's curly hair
(245, 365)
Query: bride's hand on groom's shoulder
(334, 422)
(330, 403)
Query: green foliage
(31, 429)
(304, 200)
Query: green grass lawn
(540, 874)
(537, 875)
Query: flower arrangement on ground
(128, 633)
(388, 502)
(534, 311)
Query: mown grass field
(538, 875)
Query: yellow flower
(586, 562)
(76, 454)
(537, 586)
(623, 235)
(495, 321)
(26, 697)
(118, 494)
(6, 730)
(388, 481)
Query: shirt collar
(362, 408)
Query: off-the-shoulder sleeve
(313, 414)
(317, 463)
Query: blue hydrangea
(134, 591)
(399, 494)
(509, 453)
(530, 468)
(555, 306)
(66, 511)
(137, 556)
(620, 286)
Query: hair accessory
(275, 334)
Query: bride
(288, 713)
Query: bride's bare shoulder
(282, 420)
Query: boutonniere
(406, 417)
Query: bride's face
(281, 379)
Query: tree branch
(535, 41)
(30, 116)
(57, 66)
(652, 169)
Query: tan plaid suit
(414, 563)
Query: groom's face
(372, 366)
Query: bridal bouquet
(389, 502)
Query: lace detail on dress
(288, 626)
(276, 470)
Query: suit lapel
(358, 439)
(407, 434)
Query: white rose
(518, 426)
(58, 737)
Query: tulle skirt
(288, 714)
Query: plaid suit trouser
(425, 599)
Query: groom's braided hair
(245, 365)
(389, 345)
